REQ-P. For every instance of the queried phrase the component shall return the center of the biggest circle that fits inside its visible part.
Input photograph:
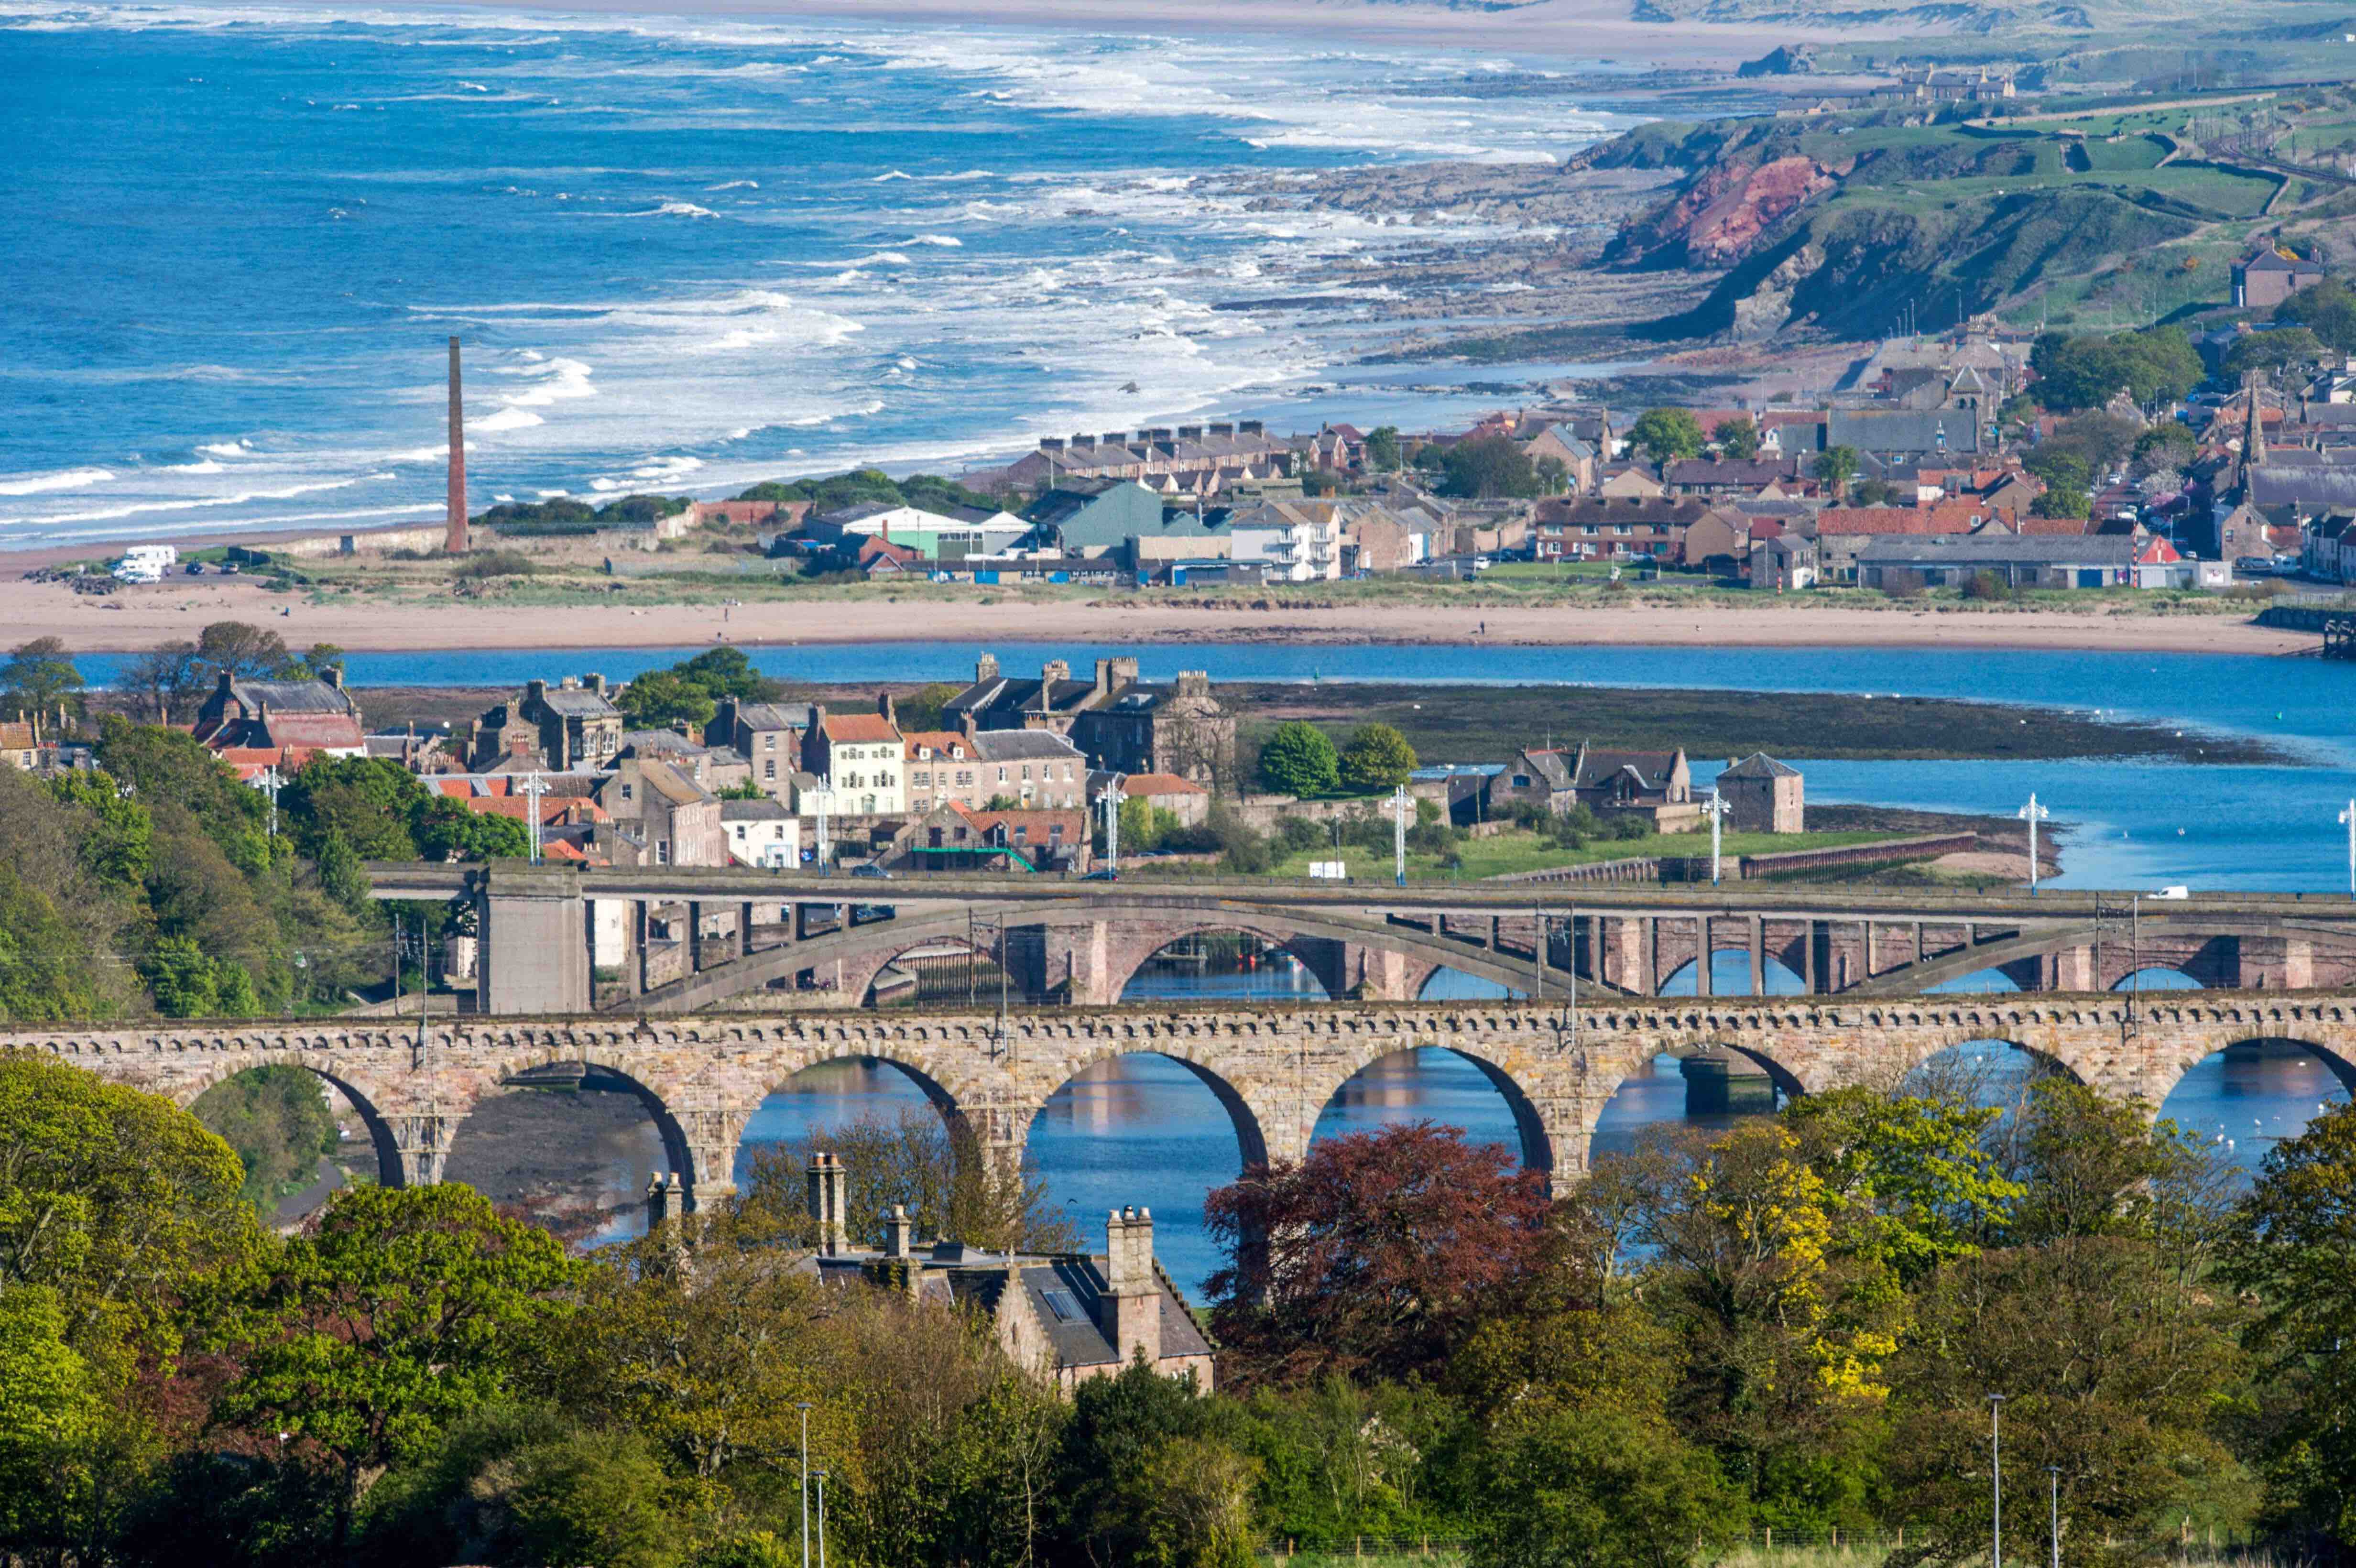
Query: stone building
(1119, 722)
(1763, 797)
(1069, 1316)
(306, 716)
(1655, 785)
(573, 724)
(661, 816)
(862, 759)
(769, 735)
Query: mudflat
(145, 617)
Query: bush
(1298, 760)
(495, 563)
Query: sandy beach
(144, 618)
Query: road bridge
(1274, 1069)
(684, 940)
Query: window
(1061, 1304)
(626, 791)
(1002, 774)
(1021, 834)
(662, 851)
(768, 742)
(770, 768)
(1521, 781)
(965, 776)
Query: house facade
(1764, 795)
(308, 716)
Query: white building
(1292, 543)
(864, 762)
(761, 833)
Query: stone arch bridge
(666, 940)
(1274, 1069)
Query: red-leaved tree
(1373, 1255)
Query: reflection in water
(1448, 984)
(2247, 1098)
(1730, 976)
(1223, 966)
(2157, 980)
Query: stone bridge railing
(1274, 1069)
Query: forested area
(1793, 1324)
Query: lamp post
(820, 801)
(1400, 809)
(1109, 799)
(533, 788)
(272, 782)
(2034, 814)
(819, 1476)
(804, 1406)
(2053, 1481)
(1996, 1481)
(1714, 808)
(2347, 815)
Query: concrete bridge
(1274, 1069)
(656, 940)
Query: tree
(367, 802)
(1376, 760)
(2167, 447)
(243, 651)
(921, 708)
(119, 1202)
(942, 1178)
(1487, 468)
(1383, 449)
(1376, 1254)
(2273, 352)
(322, 661)
(1553, 476)
(40, 676)
(1298, 760)
(444, 829)
(405, 1309)
(277, 1121)
(174, 677)
(1663, 434)
(1918, 1187)
(2295, 1251)
(727, 672)
(1835, 465)
(662, 698)
(1575, 1488)
(1736, 438)
(2327, 309)
(2061, 499)
(1118, 1428)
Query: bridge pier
(533, 926)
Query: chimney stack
(662, 1199)
(1132, 1292)
(985, 668)
(898, 1232)
(454, 540)
(889, 707)
(828, 1197)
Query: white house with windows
(1292, 541)
(863, 758)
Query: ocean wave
(239, 448)
(734, 185)
(672, 209)
(948, 241)
(205, 465)
(246, 497)
(56, 479)
(893, 258)
(891, 174)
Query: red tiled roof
(2026, 526)
(860, 729)
(1945, 517)
(1160, 784)
(947, 742)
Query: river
(1142, 1130)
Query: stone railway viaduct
(1274, 1069)
(698, 940)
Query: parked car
(1102, 874)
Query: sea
(683, 255)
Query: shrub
(495, 563)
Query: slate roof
(762, 810)
(1759, 765)
(1652, 768)
(660, 744)
(1903, 430)
(2311, 490)
(1551, 766)
(1023, 745)
(774, 715)
(576, 702)
(1076, 1338)
(294, 696)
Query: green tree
(1298, 760)
(660, 698)
(2273, 352)
(1488, 468)
(444, 829)
(2327, 309)
(1835, 465)
(1663, 434)
(1917, 1186)
(727, 672)
(2167, 447)
(1737, 438)
(2062, 500)
(2295, 1251)
(367, 802)
(277, 1121)
(1553, 476)
(118, 833)
(173, 677)
(246, 652)
(406, 1308)
(38, 678)
(1376, 760)
(1573, 1489)
(921, 708)
(1383, 449)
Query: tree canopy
(1663, 434)
(1298, 758)
(1488, 468)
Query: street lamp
(1109, 799)
(804, 1406)
(2034, 814)
(1714, 808)
(819, 1478)
(2347, 815)
(2054, 1479)
(820, 801)
(1996, 1481)
(1400, 809)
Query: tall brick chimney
(455, 539)
(828, 1200)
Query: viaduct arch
(1275, 1069)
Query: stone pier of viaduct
(1274, 1069)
